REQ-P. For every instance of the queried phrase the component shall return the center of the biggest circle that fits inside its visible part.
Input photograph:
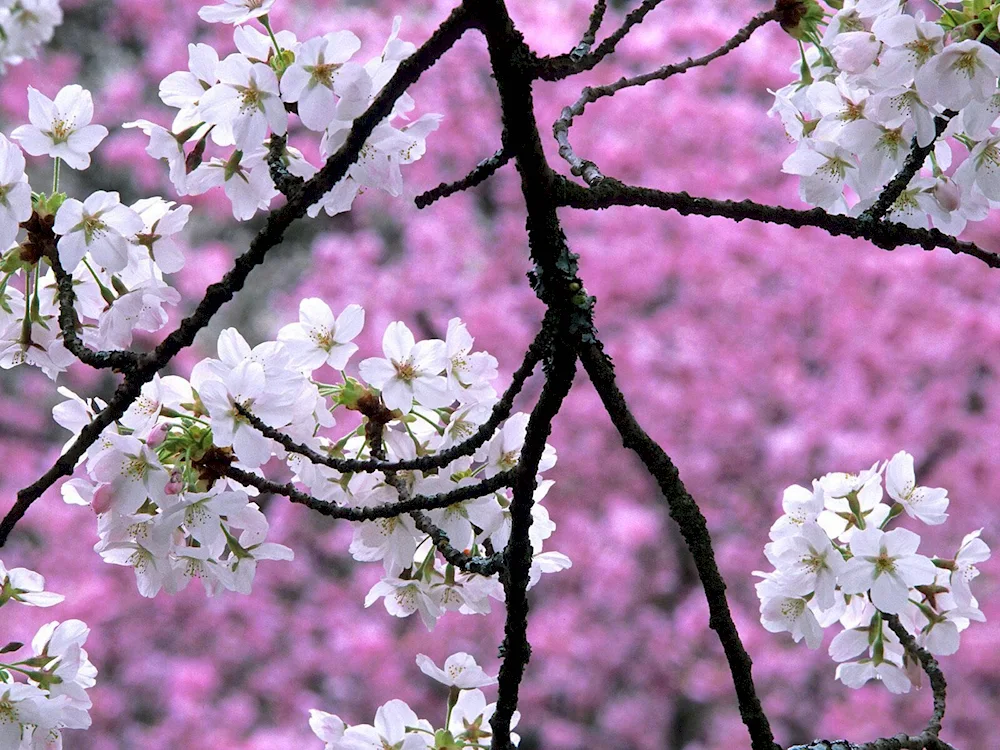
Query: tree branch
(562, 66)
(886, 235)
(684, 510)
(482, 172)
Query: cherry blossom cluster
(467, 722)
(115, 254)
(53, 695)
(157, 478)
(874, 79)
(25, 25)
(835, 562)
(238, 102)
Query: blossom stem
(55, 175)
(266, 23)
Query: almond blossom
(15, 193)
(235, 11)
(460, 670)
(923, 503)
(247, 99)
(324, 83)
(961, 73)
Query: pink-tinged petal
(894, 678)
(75, 104)
(88, 138)
(397, 342)
(867, 543)
(252, 448)
(916, 570)
(317, 108)
(294, 80)
(41, 110)
(316, 314)
(848, 644)
(432, 392)
(854, 674)
(429, 357)
(857, 576)
(72, 248)
(340, 46)
(232, 347)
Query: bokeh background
(759, 356)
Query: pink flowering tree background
(758, 356)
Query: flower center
(405, 370)
(884, 564)
(323, 73)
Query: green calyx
(800, 18)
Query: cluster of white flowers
(834, 562)
(57, 675)
(25, 25)
(467, 723)
(155, 477)
(117, 254)
(238, 101)
(876, 78)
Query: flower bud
(101, 502)
(157, 435)
(947, 194)
(176, 483)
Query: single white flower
(100, 225)
(319, 338)
(61, 128)
(235, 11)
(246, 99)
(963, 72)
(886, 564)
(927, 504)
(460, 670)
(409, 371)
(324, 83)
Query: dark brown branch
(117, 360)
(684, 510)
(562, 66)
(886, 235)
(914, 161)
(501, 410)
(370, 513)
(286, 183)
(482, 172)
(516, 650)
(590, 35)
(560, 128)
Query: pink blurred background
(759, 356)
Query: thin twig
(480, 173)
(590, 35)
(560, 128)
(562, 66)
(501, 410)
(914, 161)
